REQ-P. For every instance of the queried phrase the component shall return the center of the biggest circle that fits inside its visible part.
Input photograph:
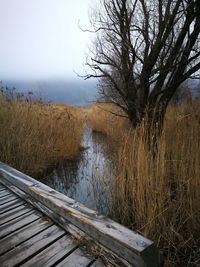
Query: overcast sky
(41, 38)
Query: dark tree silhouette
(144, 50)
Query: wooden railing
(82, 222)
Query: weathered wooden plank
(19, 222)
(36, 244)
(4, 193)
(13, 210)
(113, 259)
(76, 259)
(2, 187)
(11, 205)
(23, 234)
(60, 220)
(97, 263)
(65, 224)
(7, 199)
(12, 214)
(52, 254)
(127, 244)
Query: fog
(40, 39)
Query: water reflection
(88, 178)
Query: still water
(88, 178)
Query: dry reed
(104, 118)
(36, 136)
(159, 196)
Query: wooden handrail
(129, 245)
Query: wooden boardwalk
(29, 238)
(42, 227)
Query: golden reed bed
(157, 195)
(36, 136)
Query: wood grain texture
(1, 188)
(18, 222)
(11, 205)
(12, 214)
(76, 259)
(31, 246)
(7, 199)
(47, 211)
(134, 248)
(19, 246)
(53, 253)
(5, 193)
(22, 234)
(11, 211)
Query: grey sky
(41, 38)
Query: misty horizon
(76, 92)
(42, 39)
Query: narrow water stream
(88, 178)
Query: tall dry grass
(159, 196)
(36, 136)
(104, 118)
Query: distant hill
(83, 93)
(71, 92)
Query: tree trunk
(154, 123)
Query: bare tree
(144, 49)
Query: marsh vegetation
(134, 155)
(157, 195)
(114, 172)
(35, 136)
